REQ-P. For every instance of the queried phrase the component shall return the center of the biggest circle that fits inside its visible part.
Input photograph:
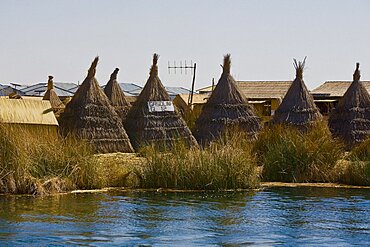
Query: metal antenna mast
(185, 67)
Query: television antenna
(185, 67)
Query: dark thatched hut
(226, 108)
(350, 120)
(90, 116)
(52, 96)
(297, 108)
(150, 125)
(116, 95)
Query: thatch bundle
(159, 128)
(350, 120)
(90, 116)
(226, 108)
(297, 108)
(52, 96)
(116, 95)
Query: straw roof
(298, 108)
(198, 99)
(161, 128)
(51, 96)
(336, 88)
(350, 120)
(116, 95)
(259, 89)
(26, 111)
(227, 107)
(90, 116)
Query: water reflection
(290, 216)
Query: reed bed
(222, 165)
(356, 170)
(33, 165)
(290, 155)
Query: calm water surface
(274, 216)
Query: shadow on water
(290, 216)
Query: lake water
(273, 216)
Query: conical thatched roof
(226, 108)
(51, 95)
(90, 116)
(350, 120)
(297, 108)
(116, 95)
(159, 128)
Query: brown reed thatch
(297, 108)
(52, 96)
(350, 120)
(90, 116)
(116, 95)
(159, 128)
(226, 108)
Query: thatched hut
(226, 108)
(90, 116)
(33, 116)
(51, 96)
(153, 119)
(350, 120)
(116, 95)
(298, 108)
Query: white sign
(160, 106)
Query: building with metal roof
(62, 89)
(6, 90)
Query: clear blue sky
(61, 38)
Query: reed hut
(51, 96)
(153, 119)
(90, 116)
(297, 108)
(33, 116)
(226, 108)
(116, 95)
(350, 120)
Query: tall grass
(34, 164)
(357, 169)
(289, 155)
(225, 164)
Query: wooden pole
(192, 85)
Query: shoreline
(262, 186)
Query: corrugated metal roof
(5, 90)
(26, 111)
(260, 89)
(62, 89)
(173, 91)
(129, 87)
(335, 88)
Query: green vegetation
(226, 164)
(357, 168)
(33, 165)
(289, 155)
